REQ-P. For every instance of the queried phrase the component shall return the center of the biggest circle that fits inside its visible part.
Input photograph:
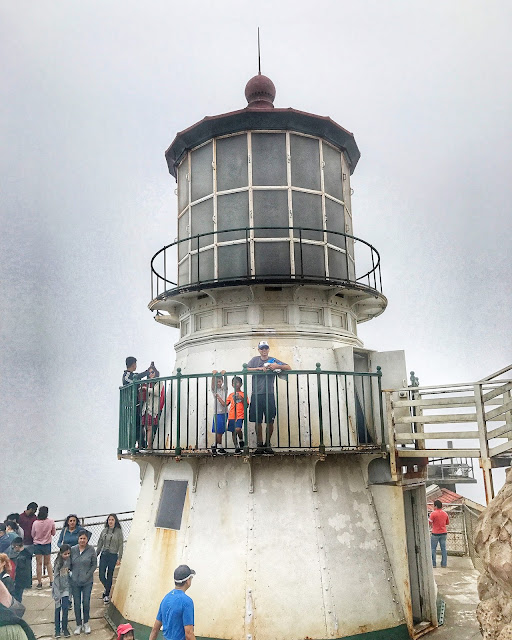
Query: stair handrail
(496, 374)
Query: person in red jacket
(26, 520)
(152, 399)
(438, 520)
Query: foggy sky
(92, 93)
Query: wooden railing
(476, 417)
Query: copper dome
(260, 92)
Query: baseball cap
(262, 344)
(122, 629)
(183, 573)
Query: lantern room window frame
(186, 251)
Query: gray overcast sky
(93, 92)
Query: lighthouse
(317, 536)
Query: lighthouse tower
(318, 539)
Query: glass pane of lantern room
(183, 232)
(269, 159)
(271, 210)
(182, 185)
(335, 214)
(337, 265)
(206, 272)
(202, 222)
(232, 213)
(305, 162)
(309, 261)
(183, 273)
(272, 259)
(233, 261)
(202, 172)
(332, 172)
(307, 212)
(232, 163)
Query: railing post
(246, 436)
(132, 433)
(381, 411)
(391, 435)
(321, 448)
(121, 423)
(198, 260)
(301, 257)
(177, 449)
(485, 461)
(247, 256)
(165, 266)
(417, 427)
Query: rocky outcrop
(493, 542)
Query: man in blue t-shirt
(263, 404)
(176, 612)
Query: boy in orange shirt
(236, 402)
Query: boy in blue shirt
(176, 612)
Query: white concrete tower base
(284, 547)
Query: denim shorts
(43, 549)
(235, 424)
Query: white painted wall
(281, 562)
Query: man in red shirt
(438, 520)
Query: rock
(493, 543)
(506, 633)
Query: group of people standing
(150, 400)
(229, 410)
(71, 578)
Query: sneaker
(221, 451)
(106, 599)
(65, 633)
(39, 585)
(241, 444)
(78, 630)
(238, 451)
(260, 449)
(268, 449)
(87, 628)
(57, 634)
(214, 450)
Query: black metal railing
(313, 410)
(339, 265)
(451, 469)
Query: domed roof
(260, 92)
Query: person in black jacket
(129, 374)
(23, 561)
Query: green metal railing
(313, 410)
